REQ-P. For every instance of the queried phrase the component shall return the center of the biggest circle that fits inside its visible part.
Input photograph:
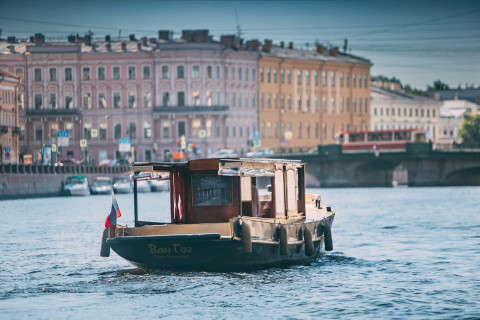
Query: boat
(101, 185)
(76, 186)
(220, 221)
(159, 185)
(143, 186)
(122, 185)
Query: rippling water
(398, 253)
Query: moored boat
(101, 185)
(76, 186)
(220, 222)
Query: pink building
(96, 100)
(9, 129)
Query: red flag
(114, 213)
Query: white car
(260, 152)
(224, 153)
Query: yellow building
(306, 97)
(9, 130)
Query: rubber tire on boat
(105, 247)
(246, 238)
(307, 238)
(283, 241)
(327, 232)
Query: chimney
(165, 35)
(282, 44)
(108, 46)
(12, 49)
(228, 41)
(108, 38)
(253, 45)
(320, 49)
(290, 45)
(124, 46)
(139, 46)
(144, 41)
(39, 39)
(200, 35)
(72, 38)
(32, 39)
(152, 40)
(131, 37)
(11, 39)
(267, 45)
(333, 51)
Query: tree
(469, 130)
(438, 85)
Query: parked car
(224, 153)
(108, 163)
(122, 185)
(67, 162)
(260, 152)
(76, 186)
(101, 185)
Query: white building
(399, 110)
(451, 117)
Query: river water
(399, 253)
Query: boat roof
(243, 166)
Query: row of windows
(304, 130)
(391, 111)
(101, 74)
(305, 103)
(7, 96)
(357, 79)
(229, 73)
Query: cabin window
(279, 194)
(212, 190)
(291, 191)
(246, 187)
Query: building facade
(399, 110)
(9, 130)
(306, 97)
(96, 100)
(451, 118)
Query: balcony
(51, 112)
(191, 109)
(3, 129)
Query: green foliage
(469, 130)
(414, 91)
(438, 85)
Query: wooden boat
(220, 222)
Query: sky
(417, 42)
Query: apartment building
(95, 100)
(306, 97)
(9, 130)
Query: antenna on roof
(119, 33)
(345, 45)
(239, 31)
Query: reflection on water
(398, 253)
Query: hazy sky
(415, 41)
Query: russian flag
(114, 213)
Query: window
(102, 100)
(165, 72)
(166, 129)
(233, 73)
(196, 98)
(315, 76)
(196, 72)
(53, 74)
(307, 77)
(101, 73)
(132, 130)
(341, 79)
(147, 99)
(117, 100)
(332, 79)
(87, 100)
(354, 80)
(239, 73)
(103, 131)
(166, 99)
(38, 132)
(37, 74)
(275, 76)
(68, 74)
(218, 72)
(209, 98)
(132, 99)
(282, 76)
(203, 186)
(116, 73)
(147, 130)
(348, 80)
(181, 128)
(38, 101)
(262, 100)
(68, 101)
(118, 131)
(87, 131)
(209, 72)
(254, 74)
(196, 126)
(146, 72)
(86, 74)
(234, 100)
(289, 76)
(180, 73)
(261, 74)
(181, 98)
(53, 101)
(131, 73)
(365, 78)
(247, 74)
(299, 77)
(19, 72)
(269, 77)
(324, 78)
(226, 73)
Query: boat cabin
(217, 190)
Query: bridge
(330, 167)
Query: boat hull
(211, 252)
